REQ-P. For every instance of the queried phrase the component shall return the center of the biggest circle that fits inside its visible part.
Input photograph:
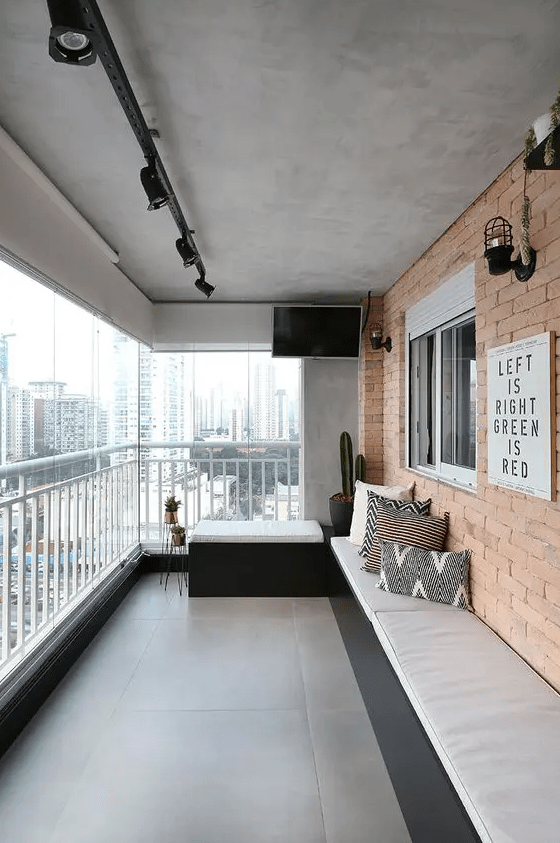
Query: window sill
(446, 481)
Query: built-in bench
(493, 722)
(257, 559)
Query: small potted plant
(177, 535)
(171, 506)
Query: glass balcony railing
(67, 521)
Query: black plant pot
(341, 516)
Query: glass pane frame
(435, 410)
(458, 396)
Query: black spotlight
(498, 249)
(152, 184)
(203, 285)
(70, 38)
(188, 254)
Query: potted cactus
(341, 505)
(171, 505)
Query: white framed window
(442, 382)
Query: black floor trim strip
(22, 697)
(430, 805)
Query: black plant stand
(170, 551)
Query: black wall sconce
(498, 249)
(376, 338)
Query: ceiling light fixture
(157, 195)
(69, 38)
(78, 35)
(498, 249)
(376, 338)
(203, 285)
(186, 250)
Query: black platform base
(429, 803)
(257, 569)
(50, 662)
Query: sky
(236, 370)
(40, 350)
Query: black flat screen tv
(316, 331)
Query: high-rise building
(72, 423)
(215, 419)
(5, 410)
(66, 422)
(127, 375)
(43, 425)
(21, 430)
(294, 419)
(47, 389)
(263, 405)
(152, 406)
(282, 415)
(4, 356)
(164, 401)
(200, 414)
(235, 425)
(237, 419)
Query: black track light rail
(112, 65)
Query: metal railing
(252, 484)
(59, 539)
(60, 536)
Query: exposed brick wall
(514, 538)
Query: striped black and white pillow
(409, 529)
(441, 576)
(370, 548)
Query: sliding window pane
(68, 501)
(423, 400)
(459, 395)
(274, 437)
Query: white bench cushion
(363, 584)
(257, 531)
(493, 721)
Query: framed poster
(522, 416)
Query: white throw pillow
(358, 526)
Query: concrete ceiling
(317, 147)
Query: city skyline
(44, 415)
(40, 354)
(89, 384)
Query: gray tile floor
(203, 720)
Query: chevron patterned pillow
(441, 576)
(370, 548)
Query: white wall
(329, 406)
(208, 325)
(37, 231)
